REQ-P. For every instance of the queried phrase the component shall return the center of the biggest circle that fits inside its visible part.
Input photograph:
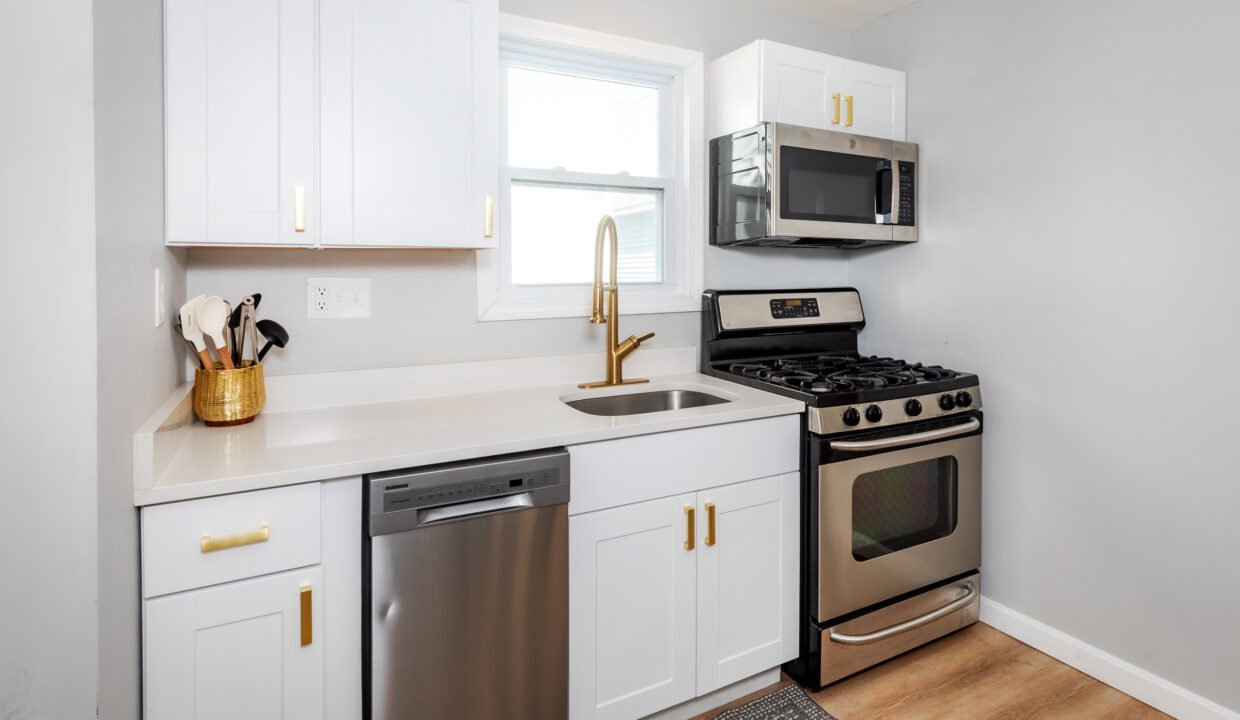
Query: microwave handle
(885, 202)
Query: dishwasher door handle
(477, 507)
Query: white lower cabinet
(238, 650)
(666, 605)
(233, 628)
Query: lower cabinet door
(747, 579)
(631, 609)
(248, 650)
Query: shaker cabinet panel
(240, 121)
(631, 610)
(771, 82)
(237, 651)
(410, 122)
(747, 580)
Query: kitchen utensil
(212, 316)
(275, 334)
(234, 322)
(181, 334)
(188, 317)
(248, 320)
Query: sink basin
(645, 402)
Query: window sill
(574, 307)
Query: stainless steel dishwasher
(467, 590)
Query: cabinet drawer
(198, 543)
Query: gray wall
(424, 303)
(48, 625)
(139, 364)
(1076, 250)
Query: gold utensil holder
(229, 397)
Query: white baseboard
(1119, 674)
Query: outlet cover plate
(337, 298)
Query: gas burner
(822, 375)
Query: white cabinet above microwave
(766, 81)
(346, 123)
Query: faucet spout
(616, 350)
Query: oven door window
(833, 187)
(899, 507)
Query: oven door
(835, 185)
(897, 513)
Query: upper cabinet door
(876, 96)
(747, 579)
(240, 113)
(410, 127)
(801, 87)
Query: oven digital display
(789, 308)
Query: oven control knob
(852, 417)
(913, 407)
(964, 398)
(873, 413)
(947, 402)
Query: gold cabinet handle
(299, 208)
(710, 524)
(307, 616)
(835, 114)
(211, 544)
(689, 535)
(848, 100)
(488, 223)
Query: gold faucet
(616, 351)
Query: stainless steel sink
(645, 402)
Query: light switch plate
(337, 298)
(161, 300)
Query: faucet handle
(644, 338)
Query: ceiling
(841, 13)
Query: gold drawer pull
(835, 113)
(710, 524)
(488, 220)
(211, 544)
(689, 535)
(307, 616)
(848, 100)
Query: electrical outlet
(337, 298)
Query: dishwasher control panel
(520, 480)
(405, 495)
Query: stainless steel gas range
(891, 475)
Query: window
(594, 125)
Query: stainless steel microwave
(792, 186)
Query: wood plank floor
(976, 673)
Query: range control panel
(784, 308)
(402, 496)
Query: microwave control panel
(905, 216)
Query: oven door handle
(877, 635)
(902, 440)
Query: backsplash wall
(424, 303)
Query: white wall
(139, 364)
(1077, 250)
(424, 303)
(48, 662)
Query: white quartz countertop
(177, 458)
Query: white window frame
(684, 189)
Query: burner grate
(824, 374)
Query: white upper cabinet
(352, 123)
(771, 82)
(240, 104)
(410, 122)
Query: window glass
(554, 226)
(579, 123)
